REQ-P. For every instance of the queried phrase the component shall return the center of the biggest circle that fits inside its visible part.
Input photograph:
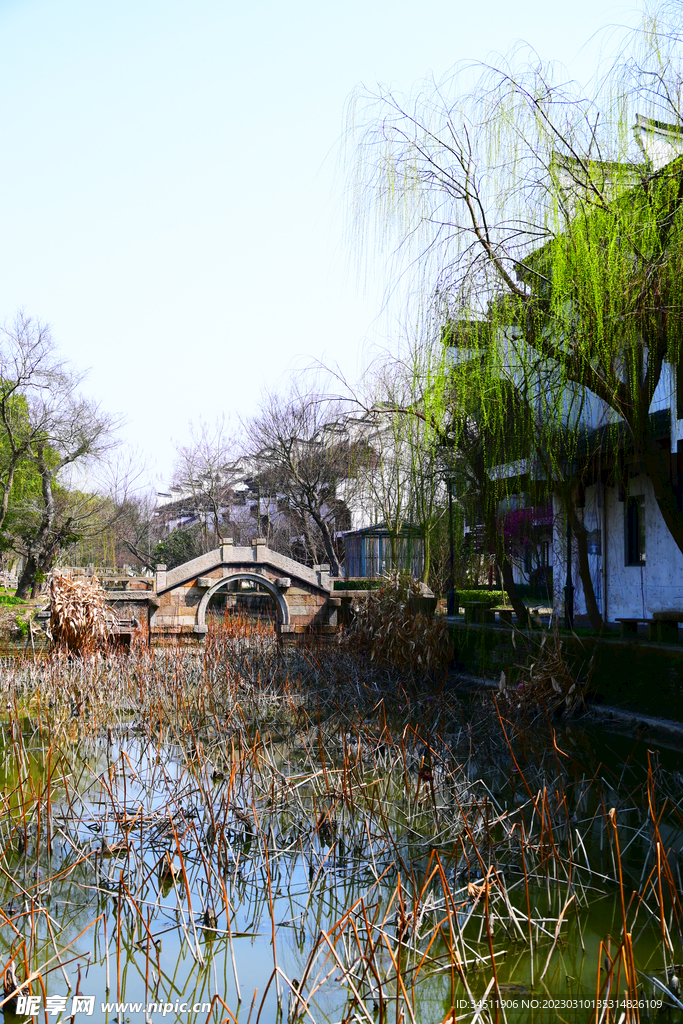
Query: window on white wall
(634, 532)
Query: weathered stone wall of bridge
(302, 594)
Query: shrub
(548, 683)
(78, 620)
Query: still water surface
(369, 868)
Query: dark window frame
(545, 554)
(634, 531)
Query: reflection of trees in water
(29, 893)
(81, 888)
(254, 601)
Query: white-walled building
(636, 566)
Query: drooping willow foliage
(543, 225)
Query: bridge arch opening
(243, 598)
(231, 586)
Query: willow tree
(399, 475)
(553, 217)
(482, 449)
(437, 429)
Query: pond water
(250, 839)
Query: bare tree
(136, 528)
(205, 473)
(408, 478)
(299, 457)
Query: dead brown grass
(392, 637)
(78, 620)
(547, 682)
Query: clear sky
(169, 195)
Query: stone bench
(663, 626)
(421, 605)
(666, 625)
(629, 626)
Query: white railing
(102, 572)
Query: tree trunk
(494, 545)
(428, 557)
(28, 576)
(42, 552)
(312, 550)
(657, 468)
(6, 491)
(44, 561)
(335, 564)
(511, 590)
(393, 548)
(581, 534)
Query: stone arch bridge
(172, 606)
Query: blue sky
(169, 193)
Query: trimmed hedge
(369, 584)
(490, 597)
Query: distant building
(371, 552)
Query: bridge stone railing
(257, 554)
